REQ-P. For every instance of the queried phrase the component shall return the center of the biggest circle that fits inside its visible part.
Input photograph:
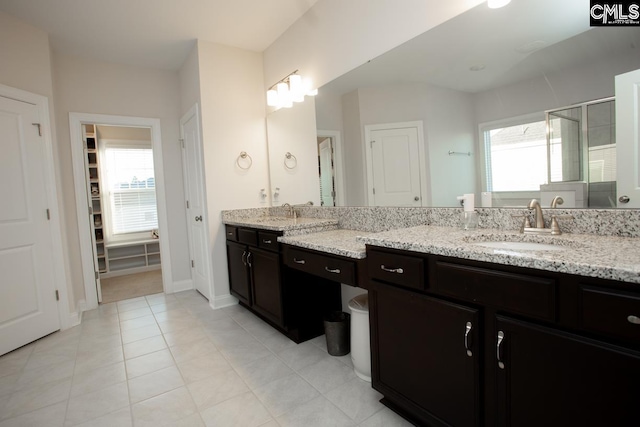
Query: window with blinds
(131, 190)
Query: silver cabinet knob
(199, 218)
(624, 199)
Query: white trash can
(360, 348)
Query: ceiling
(495, 40)
(156, 33)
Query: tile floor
(169, 360)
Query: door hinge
(90, 210)
(181, 142)
(374, 191)
(187, 204)
(39, 128)
(371, 143)
(57, 295)
(48, 215)
(192, 264)
(97, 275)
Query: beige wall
(189, 76)
(233, 120)
(88, 86)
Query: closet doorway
(118, 174)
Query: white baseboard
(75, 317)
(182, 285)
(223, 301)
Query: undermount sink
(521, 246)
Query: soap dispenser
(469, 220)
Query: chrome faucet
(556, 201)
(538, 216)
(289, 209)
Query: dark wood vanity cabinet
(291, 301)
(253, 259)
(472, 343)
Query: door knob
(624, 199)
(416, 198)
(199, 218)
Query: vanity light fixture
(292, 88)
(496, 4)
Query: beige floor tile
(92, 405)
(91, 360)
(263, 371)
(8, 384)
(283, 394)
(154, 384)
(119, 418)
(185, 336)
(50, 416)
(132, 304)
(30, 399)
(194, 420)
(165, 409)
(145, 346)
(160, 298)
(131, 335)
(137, 322)
(95, 379)
(13, 362)
(327, 374)
(45, 374)
(205, 366)
(100, 342)
(134, 314)
(319, 412)
(302, 355)
(357, 399)
(52, 356)
(213, 390)
(161, 307)
(149, 363)
(192, 350)
(245, 353)
(243, 410)
(173, 325)
(385, 418)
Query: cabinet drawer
(231, 232)
(268, 241)
(398, 269)
(516, 293)
(327, 266)
(610, 312)
(247, 236)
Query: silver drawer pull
(467, 331)
(634, 319)
(391, 270)
(299, 261)
(498, 350)
(268, 242)
(332, 270)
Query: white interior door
(327, 191)
(395, 167)
(28, 308)
(628, 139)
(196, 206)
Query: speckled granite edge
(615, 258)
(337, 242)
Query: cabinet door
(267, 294)
(550, 378)
(422, 356)
(238, 272)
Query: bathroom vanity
(462, 342)
(468, 328)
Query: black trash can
(336, 329)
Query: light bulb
(272, 98)
(295, 87)
(284, 95)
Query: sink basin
(521, 246)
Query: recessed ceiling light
(495, 4)
(477, 67)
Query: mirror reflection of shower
(326, 169)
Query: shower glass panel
(565, 145)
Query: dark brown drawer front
(327, 266)
(247, 236)
(399, 269)
(268, 241)
(611, 313)
(231, 232)
(516, 293)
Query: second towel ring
(290, 161)
(243, 155)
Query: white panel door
(395, 165)
(327, 193)
(628, 139)
(196, 212)
(28, 307)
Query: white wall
(336, 36)
(88, 86)
(293, 130)
(189, 76)
(354, 165)
(233, 120)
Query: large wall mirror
(466, 108)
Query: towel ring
(243, 155)
(290, 161)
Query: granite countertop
(287, 225)
(615, 258)
(338, 242)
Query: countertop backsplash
(604, 222)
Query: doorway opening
(123, 234)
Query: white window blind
(132, 190)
